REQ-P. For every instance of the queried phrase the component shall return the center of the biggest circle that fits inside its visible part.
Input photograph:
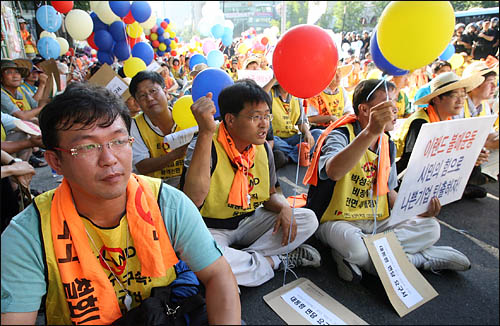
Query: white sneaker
(304, 255)
(347, 271)
(439, 257)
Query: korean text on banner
(440, 164)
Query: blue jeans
(289, 145)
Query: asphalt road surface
(465, 298)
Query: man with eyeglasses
(150, 127)
(101, 243)
(352, 182)
(230, 176)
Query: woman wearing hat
(446, 100)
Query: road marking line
(300, 189)
(492, 196)
(489, 248)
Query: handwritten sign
(117, 86)
(440, 164)
(310, 309)
(261, 77)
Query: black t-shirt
(482, 41)
(467, 38)
(411, 139)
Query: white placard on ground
(440, 164)
(261, 77)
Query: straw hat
(479, 68)
(250, 60)
(198, 68)
(449, 81)
(22, 65)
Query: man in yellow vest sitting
(447, 97)
(332, 103)
(105, 240)
(350, 186)
(231, 178)
(149, 128)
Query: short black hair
(492, 73)
(232, 99)
(364, 88)
(437, 65)
(81, 103)
(145, 75)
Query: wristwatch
(15, 160)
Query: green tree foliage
(465, 5)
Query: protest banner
(406, 288)
(261, 77)
(440, 164)
(301, 302)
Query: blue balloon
(48, 48)
(98, 24)
(227, 40)
(167, 42)
(160, 30)
(161, 39)
(167, 20)
(121, 50)
(144, 51)
(105, 57)
(103, 40)
(117, 31)
(168, 49)
(141, 11)
(195, 59)
(120, 8)
(381, 62)
(215, 59)
(48, 18)
(217, 30)
(160, 53)
(158, 21)
(447, 53)
(212, 80)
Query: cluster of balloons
(116, 32)
(258, 43)
(162, 37)
(290, 52)
(214, 24)
(411, 35)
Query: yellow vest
(216, 205)
(401, 104)
(329, 104)
(154, 142)
(285, 116)
(4, 134)
(22, 104)
(467, 110)
(57, 311)
(351, 195)
(400, 138)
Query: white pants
(254, 236)
(414, 234)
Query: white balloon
(105, 14)
(228, 23)
(63, 44)
(148, 24)
(94, 5)
(204, 27)
(275, 30)
(218, 18)
(48, 34)
(78, 24)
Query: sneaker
(280, 159)
(438, 258)
(473, 191)
(347, 271)
(304, 255)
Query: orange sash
(238, 195)
(433, 116)
(147, 229)
(311, 176)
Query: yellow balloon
(134, 30)
(173, 45)
(153, 36)
(243, 48)
(132, 66)
(162, 47)
(456, 61)
(182, 114)
(172, 34)
(411, 34)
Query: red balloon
(155, 43)
(133, 41)
(318, 59)
(173, 53)
(264, 40)
(129, 19)
(164, 24)
(68, 53)
(90, 41)
(62, 6)
(176, 39)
